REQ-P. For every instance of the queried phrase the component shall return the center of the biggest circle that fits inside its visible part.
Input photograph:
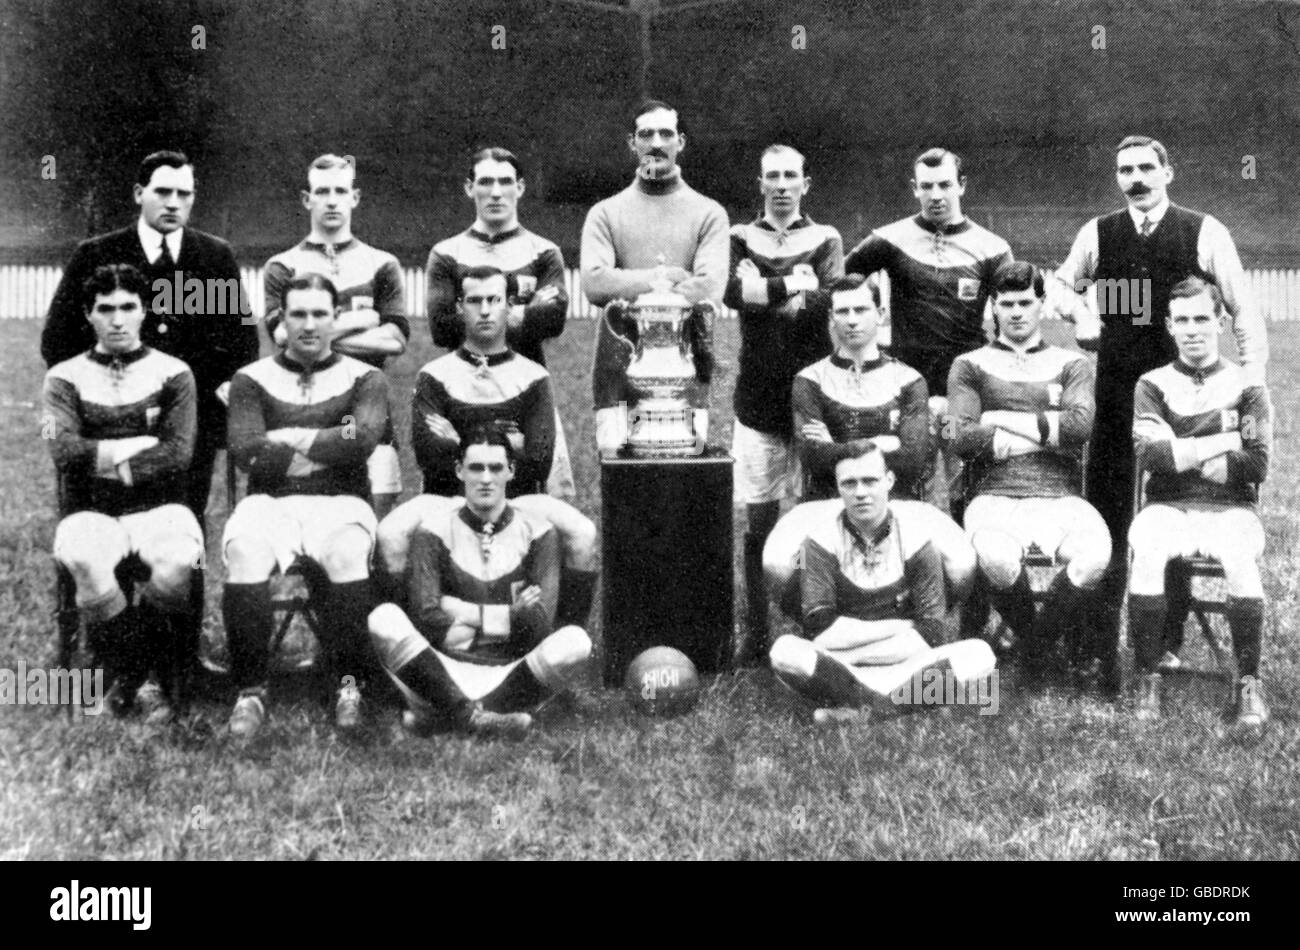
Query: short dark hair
(482, 272)
(110, 277)
(1194, 286)
(1139, 141)
(934, 157)
(868, 448)
(1017, 276)
(650, 105)
(495, 154)
(486, 434)
(309, 282)
(853, 282)
(156, 160)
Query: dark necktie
(165, 260)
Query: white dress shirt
(151, 241)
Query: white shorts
(297, 525)
(1227, 534)
(384, 471)
(1046, 522)
(115, 538)
(767, 466)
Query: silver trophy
(653, 367)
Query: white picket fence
(26, 291)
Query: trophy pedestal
(667, 553)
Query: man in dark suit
(198, 311)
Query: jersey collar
(479, 524)
(1199, 373)
(863, 542)
(478, 359)
(324, 248)
(1000, 344)
(501, 238)
(287, 362)
(844, 362)
(117, 359)
(925, 224)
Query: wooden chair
(1199, 573)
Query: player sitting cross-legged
(477, 645)
(302, 424)
(121, 421)
(1203, 429)
(872, 602)
(841, 404)
(483, 382)
(1023, 411)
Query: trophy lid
(662, 296)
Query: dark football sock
(389, 588)
(520, 691)
(246, 610)
(831, 684)
(425, 676)
(1061, 615)
(1016, 605)
(1146, 615)
(1246, 621)
(159, 629)
(1178, 595)
(577, 589)
(344, 615)
(116, 642)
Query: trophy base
(664, 451)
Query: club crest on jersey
(968, 288)
(1231, 420)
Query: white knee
(1086, 559)
(171, 567)
(347, 554)
(793, 656)
(969, 659)
(394, 638)
(1148, 572)
(559, 656)
(999, 557)
(248, 560)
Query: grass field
(746, 775)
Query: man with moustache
(1135, 256)
(212, 331)
(657, 228)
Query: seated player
(856, 395)
(475, 645)
(1203, 432)
(853, 398)
(872, 602)
(485, 383)
(372, 325)
(1023, 412)
(302, 424)
(121, 423)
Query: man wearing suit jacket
(198, 311)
